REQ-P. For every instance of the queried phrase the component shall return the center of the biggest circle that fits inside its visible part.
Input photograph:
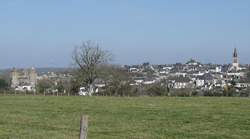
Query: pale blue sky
(43, 33)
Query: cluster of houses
(191, 74)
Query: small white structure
(148, 82)
(167, 68)
(236, 74)
(180, 74)
(198, 73)
(139, 80)
(242, 85)
(83, 91)
(25, 88)
(134, 70)
(180, 82)
(199, 82)
(192, 62)
(179, 85)
(163, 72)
(218, 69)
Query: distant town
(190, 75)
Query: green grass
(29, 117)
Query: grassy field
(28, 117)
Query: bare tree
(88, 58)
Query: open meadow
(39, 117)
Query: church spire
(235, 64)
(235, 53)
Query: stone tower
(24, 77)
(14, 78)
(235, 65)
(33, 77)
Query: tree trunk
(91, 89)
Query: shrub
(3, 84)
(156, 90)
(185, 92)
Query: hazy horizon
(44, 33)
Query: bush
(213, 93)
(3, 84)
(245, 92)
(119, 89)
(185, 92)
(43, 85)
(156, 90)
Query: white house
(83, 91)
(25, 88)
(134, 70)
(180, 82)
(149, 81)
(139, 80)
(199, 82)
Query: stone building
(24, 80)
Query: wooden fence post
(83, 127)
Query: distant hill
(39, 70)
(45, 70)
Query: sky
(44, 33)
